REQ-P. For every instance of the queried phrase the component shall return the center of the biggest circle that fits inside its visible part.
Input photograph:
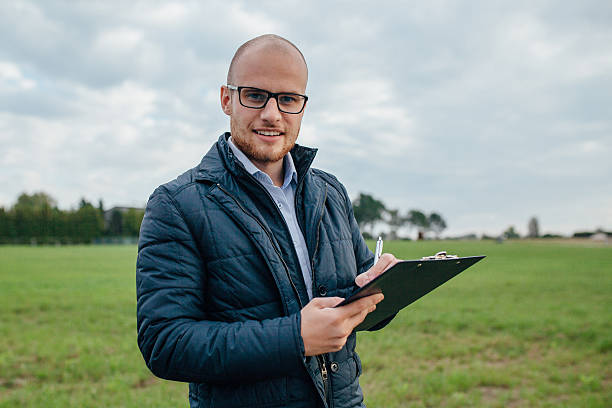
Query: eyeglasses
(256, 98)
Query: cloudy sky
(487, 112)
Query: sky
(488, 113)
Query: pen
(378, 251)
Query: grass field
(530, 326)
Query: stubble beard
(257, 153)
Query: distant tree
(115, 226)
(548, 236)
(533, 228)
(32, 215)
(35, 218)
(101, 207)
(368, 211)
(395, 221)
(59, 225)
(583, 234)
(131, 221)
(488, 237)
(4, 226)
(419, 220)
(436, 223)
(510, 233)
(45, 222)
(89, 222)
(34, 202)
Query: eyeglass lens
(257, 98)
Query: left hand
(385, 262)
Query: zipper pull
(324, 371)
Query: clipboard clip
(439, 255)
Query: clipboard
(408, 281)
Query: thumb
(323, 302)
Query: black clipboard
(406, 282)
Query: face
(265, 135)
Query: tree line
(370, 212)
(36, 219)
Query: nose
(270, 112)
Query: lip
(268, 138)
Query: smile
(267, 133)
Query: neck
(274, 169)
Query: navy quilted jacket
(217, 306)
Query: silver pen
(378, 251)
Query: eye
(287, 99)
(253, 95)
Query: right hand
(385, 262)
(325, 328)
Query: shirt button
(334, 367)
(322, 290)
(280, 205)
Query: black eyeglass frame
(270, 95)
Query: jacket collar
(220, 159)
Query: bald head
(266, 42)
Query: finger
(354, 320)
(345, 325)
(392, 260)
(360, 305)
(366, 277)
(362, 279)
(383, 264)
(323, 302)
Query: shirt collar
(288, 166)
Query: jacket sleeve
(363, 255)
(175, 337)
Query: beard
(259, 152)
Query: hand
(325, 328)
(385, 262)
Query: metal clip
(439, 255)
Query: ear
(226, 100)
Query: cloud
(12, 78)
(487, 114)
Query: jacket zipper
(266, 192)
(320, 359)
(271, 241)
(324, 376)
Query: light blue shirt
(284, 199)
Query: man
(242, 259)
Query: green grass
(531, 325)
(528, 326)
